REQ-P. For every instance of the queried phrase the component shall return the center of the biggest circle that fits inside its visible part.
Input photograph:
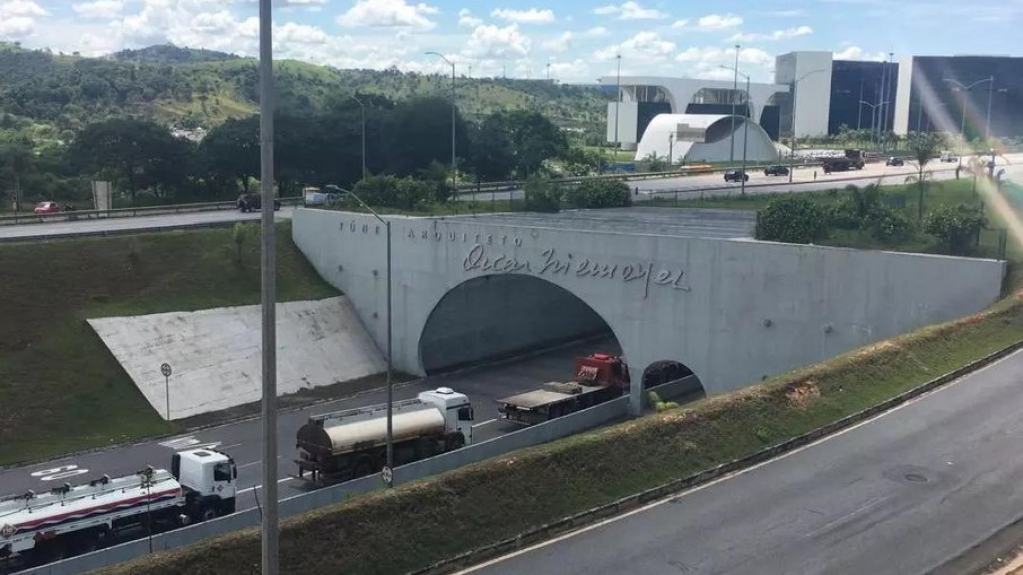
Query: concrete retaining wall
(734, 311)
(215, 353)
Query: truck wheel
(208, 514)
(364, 467)
(456, 442)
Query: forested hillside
(192, 88)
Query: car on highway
(736, 175)
(47, 208)
(253, 202)
(894, 161)
(776, 171)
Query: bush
(393, 192)
(793, 220)
(600, 193)
(543, 195)
(956, 226)
(888, 225)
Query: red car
(47, 208)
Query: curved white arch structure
(705, 138)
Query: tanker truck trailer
(37, 528)
(352, 443)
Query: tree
(794, 220)
(16, 162)
(600, 194)
(542, 195)
(518, 142)
(137, 153)
(923, 147)
(231, 151)
(418, 131)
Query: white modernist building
(705, 138)
(809, 76)
(643, 97)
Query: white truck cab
(206, 474)
(456, 407)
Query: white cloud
(465, 18)
(560, 44)
(714, 22)
(388, 14)
(630, 11)
(646, 46)
(706, 62)
(596, 32)
(680, 24)
(772, 36)
(531, 16)
(857, 53)
(18, 18)
(489, 41)
(99, 9)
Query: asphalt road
(107, 225)
(242, 440)
(803, 179)
(900, 495)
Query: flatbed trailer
(554, 400)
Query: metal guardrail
(31, 218)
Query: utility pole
(671, 146)
(270, 528)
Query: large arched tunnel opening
(672, 381)
(497, 317)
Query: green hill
(191, 88)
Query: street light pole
(795, 102)
(454, 167)
(363, 109)
(962, 122)
(270, 528)
(735, 88)
(745, 128)
(390, 323)
(618, 101)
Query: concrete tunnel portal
(495, 317)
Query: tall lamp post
(962, 121)
(454, 172)
(618, 101)
(745, 128)
(735, 88)
(795, 94)
(270, 547)
(873, 113)
(390, 363)
(363, 109)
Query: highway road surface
(803, 180)
(484, 386)
(122, 224)
(899, 495)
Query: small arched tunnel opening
(498, 317)
(673, 381)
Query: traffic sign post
(165, 369)
(387, 475)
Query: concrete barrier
(548, 431)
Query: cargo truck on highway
(598, 378)
(36, 528)
(352, 443)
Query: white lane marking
(244, 465)
(260, 486)
(723, 478)
(62, 472)
(837, 520)
(487, 422)
(189, 442)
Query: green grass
(60, 388)
(446, 515)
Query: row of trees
(404, 139)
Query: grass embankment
(60, 388)
(421, 523)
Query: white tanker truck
(352, 443)
(36, 528)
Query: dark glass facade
(943, 102)
(860, 95)
(646, 112)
